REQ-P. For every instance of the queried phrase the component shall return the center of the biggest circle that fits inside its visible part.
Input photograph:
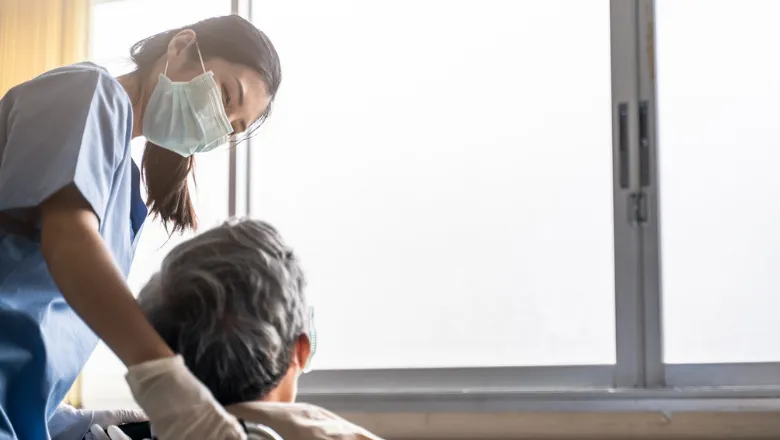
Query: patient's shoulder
(256, 431)
(299, 420)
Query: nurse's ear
(181, 57)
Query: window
(421, 172)
(117, 25)
(717, 94)
(476, 188)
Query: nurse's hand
(96, 432)
(118, 417)
(179, 406)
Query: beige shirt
(300, 421)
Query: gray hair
(231, 302)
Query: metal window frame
(649, 230)
(639, 380)
(239, 164)
(630, 318)
(633, 27)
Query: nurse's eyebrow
(240, 101)
(240, 91)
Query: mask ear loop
(200, 57)
(312, 333)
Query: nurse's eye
(226, 96)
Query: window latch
(637, 208)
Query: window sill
(713, 413)
(580, 425)
(737, 413)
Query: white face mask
(311, 331)
(186, 117)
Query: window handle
(623, 162)
(644, 145)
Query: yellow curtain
(73, 397)
(36, 36)
(39, 35)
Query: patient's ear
(287, 389)
(302, 351)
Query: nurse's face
(244, 92)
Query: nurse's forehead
(256, 97)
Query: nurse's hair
(233, 39)
(231, 302)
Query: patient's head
(231, 302)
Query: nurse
(71, 213)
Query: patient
(231, 302)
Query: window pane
(444, 169)
(718, 146)
(117, 25)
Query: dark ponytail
(166, 173)
(167, 187)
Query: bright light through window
(718, 150)
(444, 169)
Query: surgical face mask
(312, 333)
(186, 117)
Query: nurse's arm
(85, 272)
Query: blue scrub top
(68, 126)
